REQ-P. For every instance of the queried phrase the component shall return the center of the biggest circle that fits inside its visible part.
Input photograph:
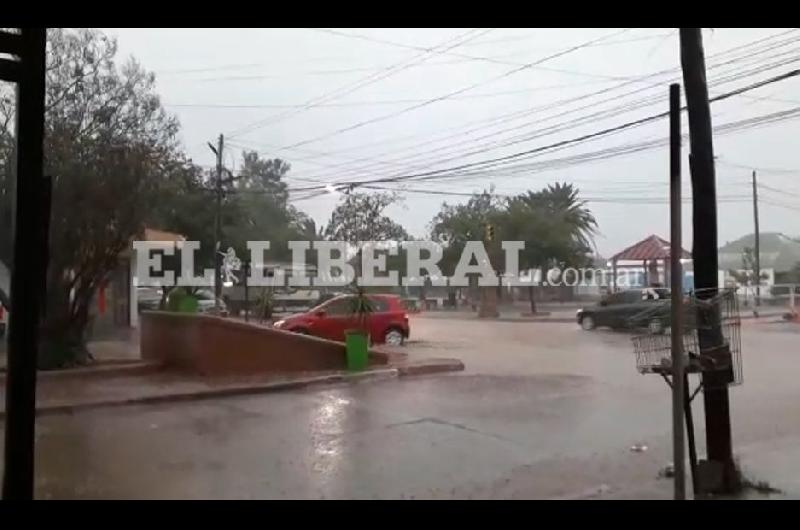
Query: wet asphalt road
(542, 411)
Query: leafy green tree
(456, 224)
(360, 217)
(185, 204)
(109, 147)
(257, 208)
(556, 226)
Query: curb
(231, 391)
(110, 369)
(537, 320)
(431, 366)
(763, 316)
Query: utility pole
(757, 270)
(676, 291)
(218, 220)
(720, 473)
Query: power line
(721, 53)
(367, 103)
(722, 161)
(594, 156)
(254, 65)
(465, 59)
(529, 169)
(582, 138)
(643, 102)
(525, 137)
(331, 71)
(780, 205)
(609, 198)
(480, 124)
(453, 93)
(773, 99)
(453, 54)
(508, 63)
(603, 154)
(776, 190)
(370, 79)
(607, 43)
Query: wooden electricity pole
(676, 291)
(217, 220)
(720, 463)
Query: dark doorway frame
(31, 213)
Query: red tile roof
(153, 234)
(649, 248)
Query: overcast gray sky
(339, 106)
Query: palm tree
(555, 224)
(564, 208)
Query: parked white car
(205, 303)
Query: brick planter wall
(211, 345)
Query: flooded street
(248, 263)
(543, 410)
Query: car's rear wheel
(394, 337)
(587, 323)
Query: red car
(387, 323)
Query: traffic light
(489, 232)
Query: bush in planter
(265, 305)
(180, 301)
(357, 339)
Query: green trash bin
(357, 348)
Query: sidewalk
(105, 350)
(70, 394)
(121, 383)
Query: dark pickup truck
(634, 308)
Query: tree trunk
(64, 329)
(162, 304)
(532, 299)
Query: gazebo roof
(649, 248)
